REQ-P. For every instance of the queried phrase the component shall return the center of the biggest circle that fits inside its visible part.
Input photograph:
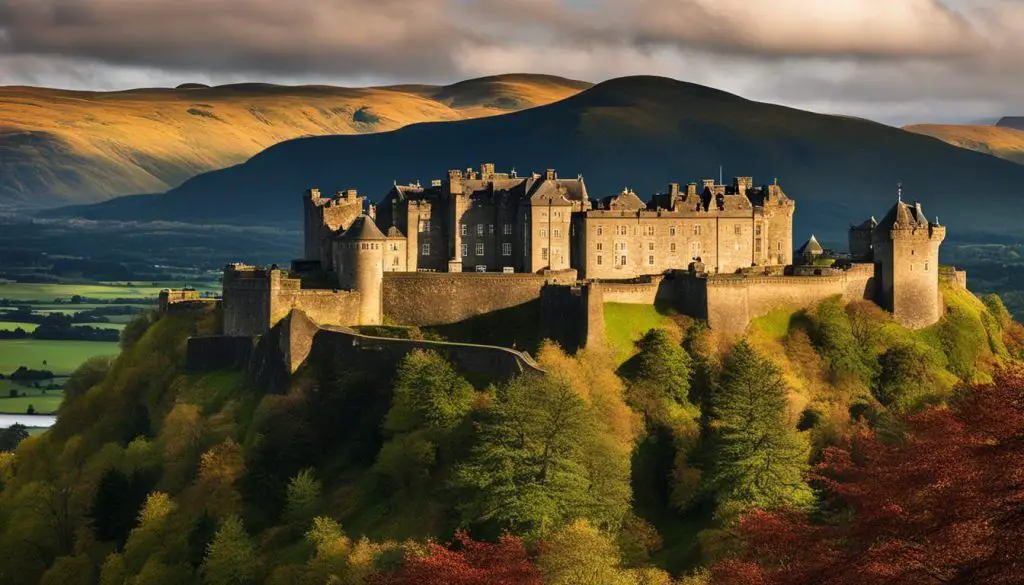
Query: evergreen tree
(526, 473)
(759, 460)
(428, 394)
(230, 558)
(836, 342)
(664, 364)
(303, 500)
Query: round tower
(906, 256)
(359, 263)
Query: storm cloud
(887, 59)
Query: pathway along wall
(442, 298)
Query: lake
(29, 420)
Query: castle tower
(359, 263)
(906, 257)
(860, 237)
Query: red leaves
(467, 562)
(944, 506)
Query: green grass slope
(77, 146)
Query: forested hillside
(828, 446)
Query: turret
(359, 263)
(906, 256)
(860, 236)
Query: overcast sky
(891, 60)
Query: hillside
(74, 146)
(1004, 141)
(347, 471)
(643, 132)
(1016, 122)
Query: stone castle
(479, 241)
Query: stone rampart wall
(326, 307)
(642, 291)
(440, 298)
(217, 352)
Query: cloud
(887, 58)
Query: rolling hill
(638, 131)
(1003, 141)
(61, 147)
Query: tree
(230, 558)
(905, 378)
(665, 365)
(466, 562)
(428, 394)
(91, 372)
(579, 554)
(302, 501)
(963, 339)
(833, 334)
(12, 436)
(759, 460)
(31, 409)
(944, 505)
(525, 472)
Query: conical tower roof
(811, 246)
(363, 228)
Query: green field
(47, 292)
(62, 357)
(9, 326)
(117, 326)
(42, 403)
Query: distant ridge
(59, 146)
(641, 132)
(1015, 122)
(1003, 141)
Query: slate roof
(363, 228)
(867, 224)
(904, 216)
(627, 200)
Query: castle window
(479, 229)
(465, 250)
(757, 245)
(424, 225)
(672, 231)
(649, 230)
(507, 230)
(696, 230)
(465, 229)
(672, 247)
(490, 229)
(556, 232)
(778, 246)
(650, 246)
(650, 260)
(425, 249)
(599, 260)
(480, 249)
(620, 246)
(737, 229)
(543, 253)
(926, 267)
(621, 230)
(622, 260)
(506, 249)
(757, 230)
(911, 252)
(600, 230)
(394, 261)
(543, 232)
(600, 246)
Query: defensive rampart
(441, 298)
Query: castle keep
(479, 241)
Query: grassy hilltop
(61, 146)
(644, 464)
(1002, 141)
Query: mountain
(1012, 122)
(66, 147)
(1003, 141)
(642, 132)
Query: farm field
(18, 291)
(11, 326)
(42, 403)
(62, 357)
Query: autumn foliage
(943, 505)
(467, 562)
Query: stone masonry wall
(440, 298)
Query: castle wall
(437, 298)
(325, 306)
(642, 292)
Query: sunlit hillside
(1004, 142)
(72, 146)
